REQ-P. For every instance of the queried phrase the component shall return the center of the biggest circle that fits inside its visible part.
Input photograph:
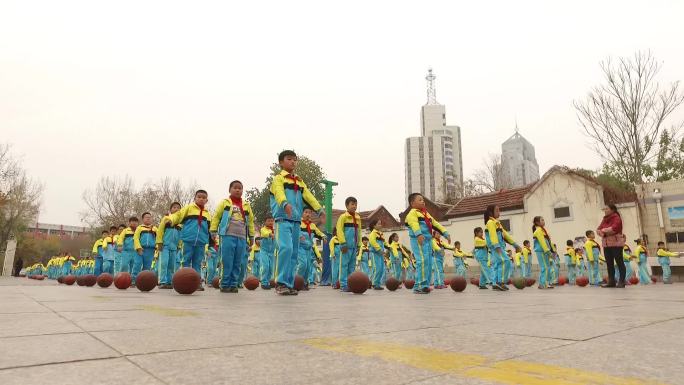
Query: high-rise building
(434, 163)
(519, 163)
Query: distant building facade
(519, 161)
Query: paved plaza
(57, 334)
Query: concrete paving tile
(115, 371)
(36, 350)
(27, 324)
(282, 363)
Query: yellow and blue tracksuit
(627, 257)
(459, 263)
(642, 258)
(544, 251)
(109, 250)
(334, 261)
(421, 223)
(349, 235)
(497, 237)
(305, 256)
(125, 241)
(288, 190)
(570, 259)
(554, 264)
(68, 265)
(363, 258)
(266, 257)
(438, 267)
(255, 268)
(233, 248)
(396, 256)
(144, 242)
(481, 254)
(593, 252)
(509, 267)
(168, 237)
(664, 260)
(517, 263)
(98, 255)
(194, 233)
(527, 262)
(376, 241)
(212, 262)
(118, 255)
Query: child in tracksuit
(459, 260)
(98, 253)
(266, 257)
(497, 237)
(126, 246)
(194, 234)
(306, 256)
(642, 259)
(168, 238)
(365, 255)
(421, 227)
(212, 262)
(144, 241)
(289, 194)
(627, 257)
(233, 221)
(377, 247)
(593, 252)
(396, 256)
(544, 250)
(482, 257)
(334, 261)
(570, 261)
(439, 247)
(349, 236)
(526, 260)
(109, 251)
(664, 256)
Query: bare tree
(21, 204)
(114, 199)
(491, 177)
(625, 116)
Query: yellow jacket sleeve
(340, 229)
(265, 233)
(539, 235)
(120, 238)
(665, 253)
(373, 240)
(507, 237)
(448, 246)
(491, 229)
(179, 215)
(317, 231)
(412, 221)
(331, 245)
(96, 244)
(252, 230)
(217, 216)
(435, 245)
(310, 199)
(589, 251)
(438, 226)
(278, 190)
(136, 238)
(160, 230)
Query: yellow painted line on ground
(168, 311)
(472, 365)
(101, 298)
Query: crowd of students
(226, 244)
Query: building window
(562, 211)
(506, 223)
(672, 238)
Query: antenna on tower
(431, 90)
(517, 130)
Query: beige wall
(672, 196)
(584, 198)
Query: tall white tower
(519, 161)
(434, 163)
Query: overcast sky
(211, 91)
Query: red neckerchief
(216, 248)
(199, 217)
(238, 202)
(293, 177)
(356, 227)
(428, 220)
(308, 227)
